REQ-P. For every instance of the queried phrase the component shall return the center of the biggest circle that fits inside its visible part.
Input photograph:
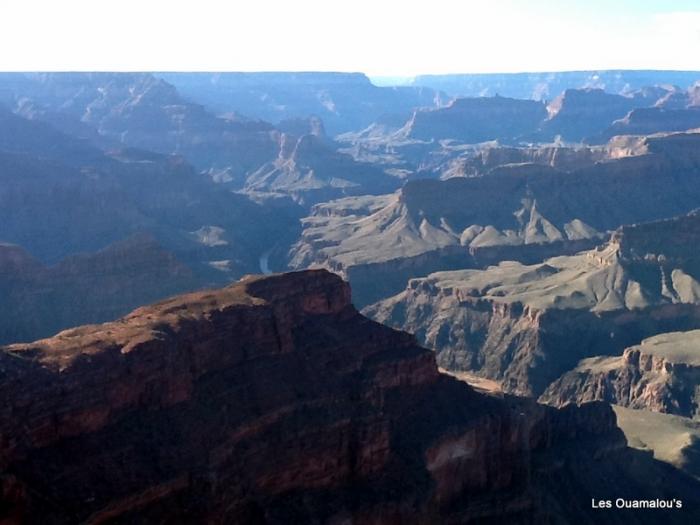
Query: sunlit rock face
(525, 325)
(474, 120)
(520, 212)
(660, 374)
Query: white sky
(378, 37)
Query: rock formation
(274, 401)
(661, 375)
(142, 111)
(310, 171)
(344, 101)
(473, 120)
(38, 300)
(580, 113)
(672, 439)
(145, 112)
(681, 99)
(646, 121)
(527, 325)
(60, 196)
(558, 157)
(655, 388)
(516, 212)
(548, 85)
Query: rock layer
(526, 325)
(661, 375)
(274, 401)
(513, 207)
(474, 120)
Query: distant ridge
(547, 85)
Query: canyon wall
(274, 401)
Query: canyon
(274, 401)
(426, 226)
(522, 336)
(660, 374)
(548, 85)
(525, 325)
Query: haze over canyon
(276, 298)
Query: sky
(377, 37)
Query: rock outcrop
(580, 113)
(473, 120)
(308, 170)
(527, 325)
(661, 375)
(673, 439)
(558, 157)
(646, 121)
(274, 401)
(515, 212)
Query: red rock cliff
(274, 401)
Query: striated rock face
(580, 113)
(645, 121)
(562, 158)
(526, 325)
(516, 211)
(499, 159)
(310, 171)
(274, 401)
(661, 374)
(473, 120)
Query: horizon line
(337, 71)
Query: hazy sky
(378, 37)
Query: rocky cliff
(661, 375)
(310, 171)
(515, 210)
(558, 157)
(274, 401)
(580, 113)
(345, 101)
(473, 120)
(645, 121)
(527, 325)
